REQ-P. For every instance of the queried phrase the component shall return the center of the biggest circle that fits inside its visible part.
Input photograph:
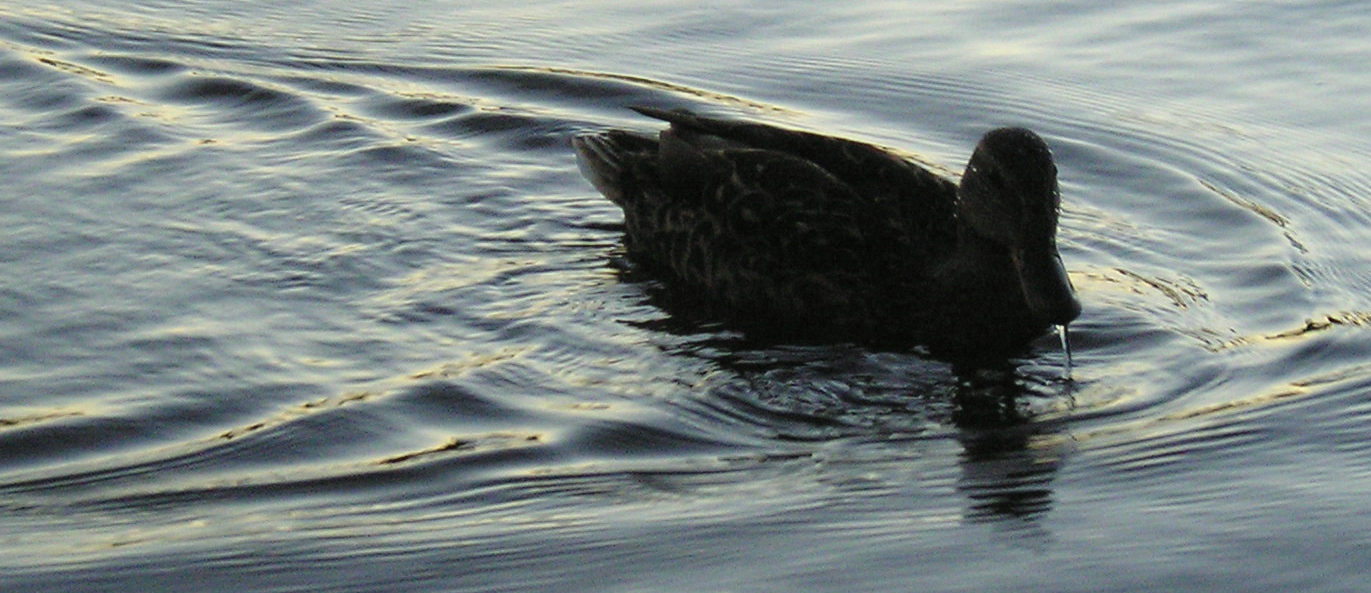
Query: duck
(795, 235)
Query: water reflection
(816, 393)
(1009, 460)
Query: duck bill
(1046, 287)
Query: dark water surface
(312, 297)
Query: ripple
(239, 101)
(419, 107)
(137, 65)
(326, 285)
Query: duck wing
(743, 216)
(895, 184)
(760, 211)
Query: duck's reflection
(1009, 457)
(1009, 460)
(818, 392)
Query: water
(312, 296)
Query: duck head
(1009, 196)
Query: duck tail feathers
(606, 158)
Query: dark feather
(796, 234)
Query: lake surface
(311, 296)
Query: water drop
(1066, 347)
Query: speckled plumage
(798, 235)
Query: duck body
(797, 235)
